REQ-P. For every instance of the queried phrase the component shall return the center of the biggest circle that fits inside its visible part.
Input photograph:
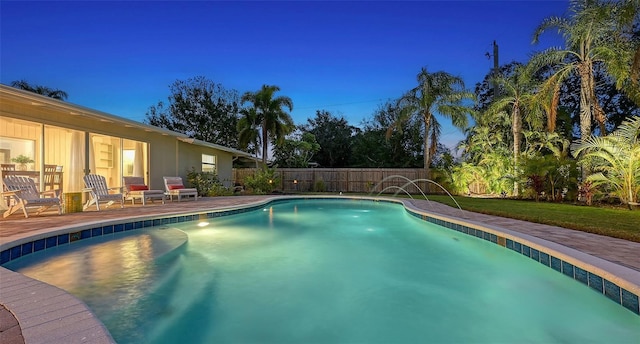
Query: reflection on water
(71, 270)
(105, 271)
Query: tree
(517, 93)
(438, 93)
(201, 109)
(615, 103)
(585, 34)
(371, 147)
(248, 133)
(334, 136)
(617, 160)
(482, 139)
(296, 151)
(266, 113)
(42, 90)
(625, 67)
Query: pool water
(325, 271)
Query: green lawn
(613, 222)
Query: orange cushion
(134, 187)
(175, 187)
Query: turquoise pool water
(321, 271)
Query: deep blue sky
(344, 57)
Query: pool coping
(34, 303)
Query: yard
(617, 222)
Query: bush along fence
(355, 180)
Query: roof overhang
(34, 99)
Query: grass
(614, 222)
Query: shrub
(319, 186)
(263, 181)
(207, 183)
(537, 184)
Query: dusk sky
(344, 57)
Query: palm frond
(562, 25)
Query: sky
(348, 58)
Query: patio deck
(621, 258)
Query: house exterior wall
(166, 153)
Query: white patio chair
(25, 194)
(135, 188)
(174, 187)
(96, 186)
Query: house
(76, 140)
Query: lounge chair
(25, 194)
(96, 186)
(175, 187)
(135, 188)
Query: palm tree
(619, 160)
(248, 133)
(481, 139)
(626, 66)
(516, 93)
(43, 90)
(267, 114)
(585, 33)
(437, 93)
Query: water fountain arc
(440, 186)
(409, 181)
(396, 187)
(413, 182)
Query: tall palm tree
(248, 133)
(625, 67)
(43, 90)
(266, 113)
(585, 34)
(516, 93)
(437, 93)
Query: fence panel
(356, 180)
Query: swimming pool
(326, 271)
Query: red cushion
(134, 187)
(175, 187)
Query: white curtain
(138, 160)
(92, 155)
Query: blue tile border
(545, 259)
(608, 288)
(581, 276)
(567, 269)
(630, 301)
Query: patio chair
(25, 194)
(8, 167)
(135, 188)
(53, 177)
(96, 186)
(174, 187)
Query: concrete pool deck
(44, 313)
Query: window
(134, 158)
(12, 148)
(208, 163)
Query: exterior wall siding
(169, 155)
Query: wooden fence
(361, 180)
